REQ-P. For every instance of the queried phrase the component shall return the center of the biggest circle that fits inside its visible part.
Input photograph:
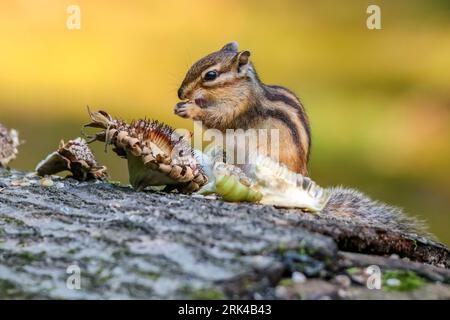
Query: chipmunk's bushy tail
(355, 206)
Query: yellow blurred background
(378, 100)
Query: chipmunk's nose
(180, 93)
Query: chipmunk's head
(217, 77)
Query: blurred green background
(378, 100)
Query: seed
(46, 182)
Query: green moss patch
(401, 280)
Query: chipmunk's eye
(211, 75)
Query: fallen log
(127, 244)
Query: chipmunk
(224, 91)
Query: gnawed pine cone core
(74, 156)
(9, 141)
(156, 154)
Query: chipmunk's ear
(242, 59)
(231, 47)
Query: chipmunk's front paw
(187, 110)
